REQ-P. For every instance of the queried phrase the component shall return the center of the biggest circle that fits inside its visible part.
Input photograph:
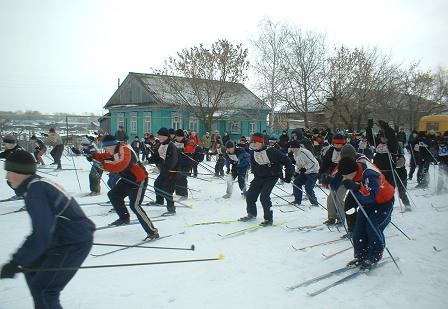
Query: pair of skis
(132, 222)
(354, 272)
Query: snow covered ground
(258, 267)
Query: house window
(235, 127)
(147, 122)
(176, 121)
(252, 127)
(134, 123)
(193, 124)
(120, 120)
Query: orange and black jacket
(124, 162)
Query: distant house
(143, 103)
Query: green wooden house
(143, 103)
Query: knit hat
(52, 130)
(9, 139)
(348, 151)
(347, 165)
(272, 139)
(230, 144)
(243, 139)
(338, 139)
(180, 132)
(172, 131)
(21, 162)
(162, 132)
(109, 140)
(257, 138)
(295, 144)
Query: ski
(214, 222)
(318, 244)
(10, 199)
(349, 277)
(306, 227)
(132, 222)
(330, 255)
(321, 277)
(133, 245)
(248, 229)
(13, 212)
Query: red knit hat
(257, 138)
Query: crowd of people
(356, 170)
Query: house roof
(161, 90)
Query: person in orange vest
(371, 189)
(121, 159)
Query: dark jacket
(5, 154)
(273, 167)
(56, 218)
(328, 165)
(166, 157)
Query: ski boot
(266, 223)
(153, 236)
(367, 265)
(120, 221)
(355, 262)
(247, 218)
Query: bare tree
(269, 60)
(211, 78)
(305, 55)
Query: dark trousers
(219, 167)
(207, 154)
(194, 167)
(240, 173)
(369, 243)
(94, 179)
(260, 187)
(135, 194)
(423, 173)
(413, 163)
(56, 153)
(309, 180)
(350, 203)
(164, 188)
(45, 287)
(181, 181)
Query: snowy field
(258, 266)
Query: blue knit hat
(109, 140)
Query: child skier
(239, 159)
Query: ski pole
(192, 248)
(395, 181)
(305, 193)
(290, 203)
(375, 229)
(338, 213)
(32, 270)
(76, 173)
(186, 174)
(413, 238)
(46, 173)
(406, 189)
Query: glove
(9, 270)
(302, 170)
(287, 178)
(350, 184)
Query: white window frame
(176, 121)
(252, 127)
(133, 124)
(193, 124)
(147, 122)
(120, 120)
(235, 127)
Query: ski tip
(193, 247)
(221, 256)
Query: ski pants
(135, 194)
(349, 204)
(46, 286)
(260, 187)
(56, 153)
(38, 153)
(95, 178)
(401, 182)
(219, 167)
(413, 163)
(181, 181)
(423, 172)
(368, 241)
(164, 188)
(309, 180)
(336, 199)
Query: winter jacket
(166, 156)
(125, 162)
(40, 145)
(207, 141)
(305, 159)
(330, 160)
(268, 162)
(54, 139)
(186, 149)
(57, 220)
(238, 159)
(5, 154)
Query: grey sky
(63, 55)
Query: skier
(328, 168)
(11, 146)
(55, 140)
(207, 144)
(136, 146)
(186, 149)
(120, 158)
(61, 234)
(376, 195)
(413, 149)
(89, 148)
(220, 160)
(239, 159)
(307, 168)
(266, 165)
(39, 150)
(166, 157)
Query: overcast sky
(66, 55)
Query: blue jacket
(239, 159)
(56, 218)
